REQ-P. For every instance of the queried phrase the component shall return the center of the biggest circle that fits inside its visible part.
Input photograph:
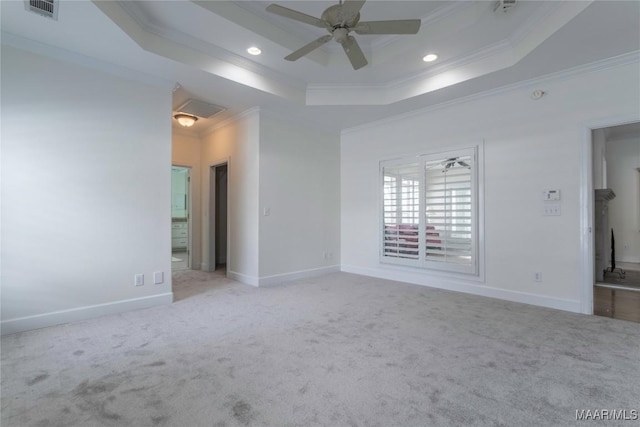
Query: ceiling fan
(339, 20)
(450, 163)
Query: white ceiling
(201, 45)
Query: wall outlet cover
(158, 277)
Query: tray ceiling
(202, 46)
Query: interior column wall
(238, 143)
(299, 200)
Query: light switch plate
(551, 210)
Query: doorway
(218, 218)
(616, 216)
(180, 218)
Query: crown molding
(187, 41)
(495, 57)
(245, 18)
(228, 121)
(601, 65)
(541, 25)
(431, 19)
(187, 55)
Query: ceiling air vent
(48, 8)
(199, 108)
(504, 5)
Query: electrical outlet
(158, 277)
(537, 276)
(329, 255)
(138, 279)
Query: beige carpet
(341, 350)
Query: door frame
(587, 237)
(211, 211)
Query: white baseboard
(296, 275)
(469, 287)
(243, 278)
(628, 258)
(38, 321)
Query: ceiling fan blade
(307, 48)
(402, 26)
(295, 15)
(354, 53)
(350, 9)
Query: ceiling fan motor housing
(333, 17)
(339, 20)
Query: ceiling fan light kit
(339, 20)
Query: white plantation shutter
(430, 211)
(449, 212)
(401, 212)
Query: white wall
(623, 176)
(529, 146)
(186, 148)
(238, 142)
(300, 186)
(85, 192)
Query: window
(430, 211)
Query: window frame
(474, 268)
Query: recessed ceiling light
(254, 50)
(430, 57)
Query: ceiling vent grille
(199, 108)
(47, 8)
(504, 5)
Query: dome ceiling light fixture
(185, 120)
(253, 50)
